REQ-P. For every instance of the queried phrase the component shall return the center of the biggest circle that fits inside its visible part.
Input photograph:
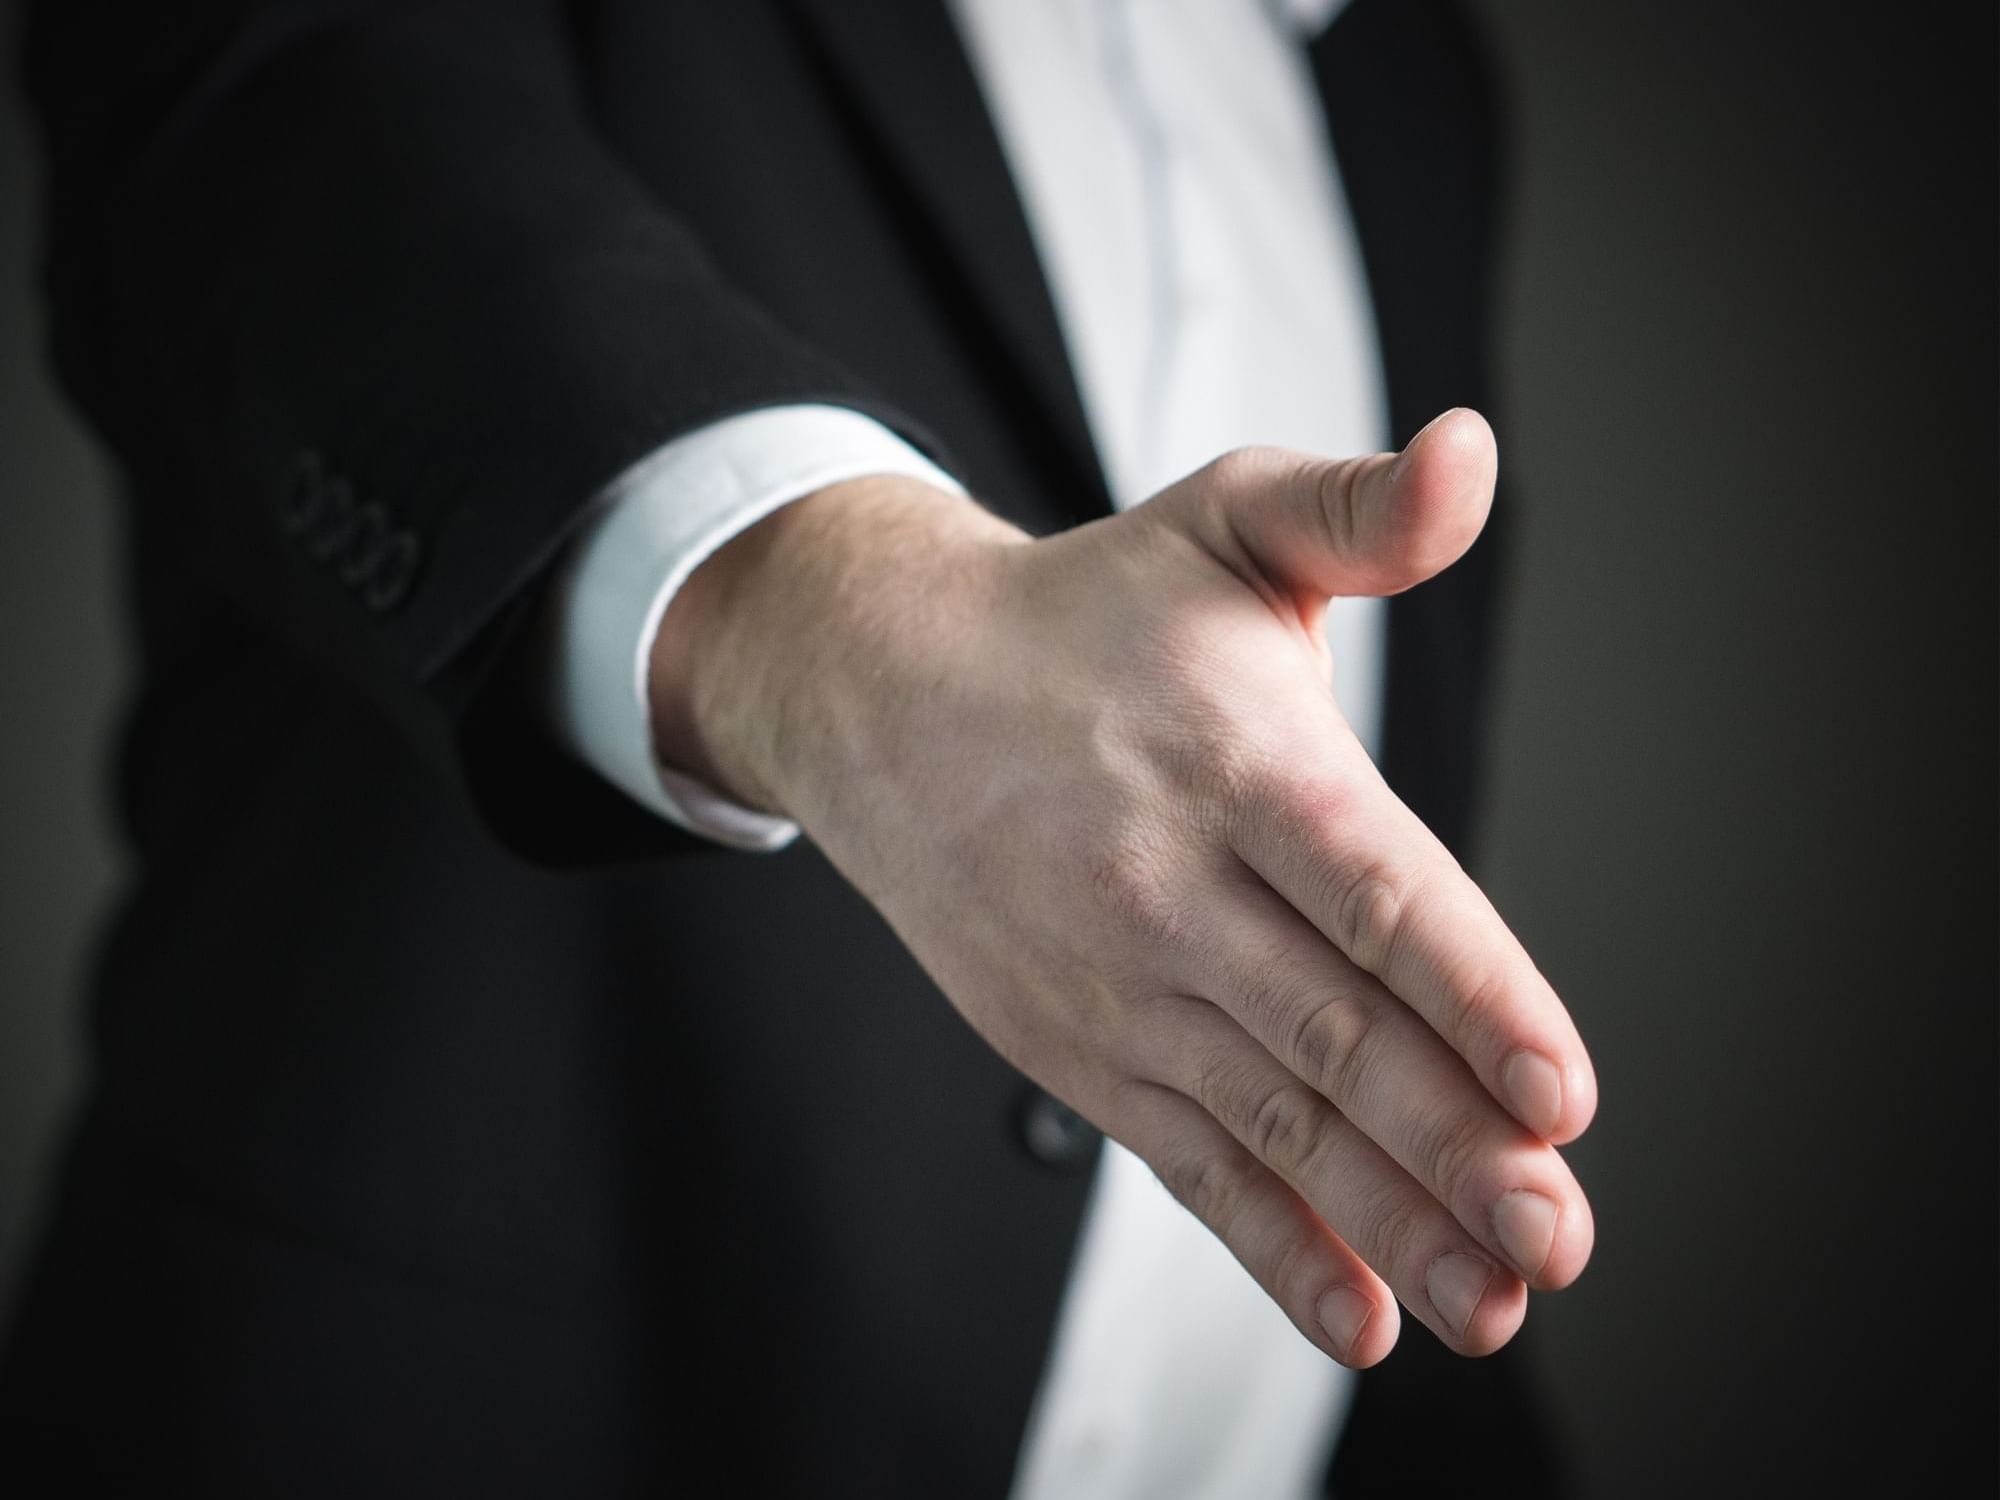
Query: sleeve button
(334, 524)
(370, 538)
(388, 583)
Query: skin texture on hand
(1099, 785)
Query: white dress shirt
(1172, 159)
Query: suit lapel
(916, 95)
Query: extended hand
(1099, 785)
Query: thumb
(1352, 526)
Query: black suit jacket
(457, 1127)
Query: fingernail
(1534, 1091)
(1343, 1313)
(1525, 1225)
(1456, 1283)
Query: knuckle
(1209, 1185)
(1336, 507)
(1395, 1229)
(1229, 775)
(1449, 1156)
(1482, 998)
(1270, 991)
(1284, 1127)
(1330, 1043)
(1297, 1271)
(1266, 801)
(1221, 1088)
(1127, 889)
(1367, 911)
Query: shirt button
(1054, 1134)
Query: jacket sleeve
(355, 288)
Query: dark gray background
(1743, 806)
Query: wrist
(779, 661)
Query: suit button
(388, 582)
(363, 553)
(1054, 1134)
(334, 524)
(305, 492)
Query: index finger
(1363, 869)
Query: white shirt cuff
(660, 520)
